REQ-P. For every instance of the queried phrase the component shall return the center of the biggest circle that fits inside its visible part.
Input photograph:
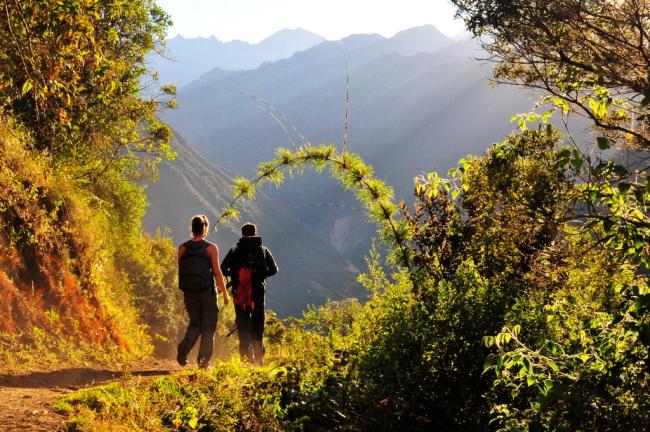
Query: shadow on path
(73, 377)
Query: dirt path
(27, 400)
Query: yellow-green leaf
(27, 86)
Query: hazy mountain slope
(211, 76)
(309, 87)
(186, 59)
(311, 271)
(409, 114)
(321, 61)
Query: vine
(351, 172)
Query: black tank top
(195, 267)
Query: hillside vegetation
(78, 278)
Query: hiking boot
(258, 352)
(181, 356)
(203, 364)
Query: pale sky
(253, 20)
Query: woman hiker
(198, 270)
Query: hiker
(198, 269)
(248, 264)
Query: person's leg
(209, 314)
(193, 308)
(243, 323)
(257, 334)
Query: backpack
(251, 266)
(195, 267)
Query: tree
(589, 55)
(71, 72)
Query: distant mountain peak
(426, 38)
(426, 29)
(292, 30)
(292, 35)
(193, 57)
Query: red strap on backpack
(244, 295)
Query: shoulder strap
(196, 249)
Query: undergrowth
(78, 279)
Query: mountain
(311, 270)
(418, 40)
(185, 59)
(418, 103)
(213, 75)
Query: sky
(253, 20)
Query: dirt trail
(27, 400)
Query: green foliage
(70, 71)
(578, 52)
(149, 265)
(232, 397)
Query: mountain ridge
(185, 59)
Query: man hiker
(248, 264)
(198, 269)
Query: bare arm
(216, 271)
(181, 250)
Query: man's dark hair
(249, 229)
(199, 225)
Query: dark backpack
(252, 268)
(195, 267)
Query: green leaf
(531, 380)
(533, 117)
(522, 124)
(548, 384)
(624, 187)
(499, 367)
(489, 362)
(27, 86)
(577, 160)
(603, 143)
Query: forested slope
(79, 279)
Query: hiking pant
(250, 328)
(202, 310)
